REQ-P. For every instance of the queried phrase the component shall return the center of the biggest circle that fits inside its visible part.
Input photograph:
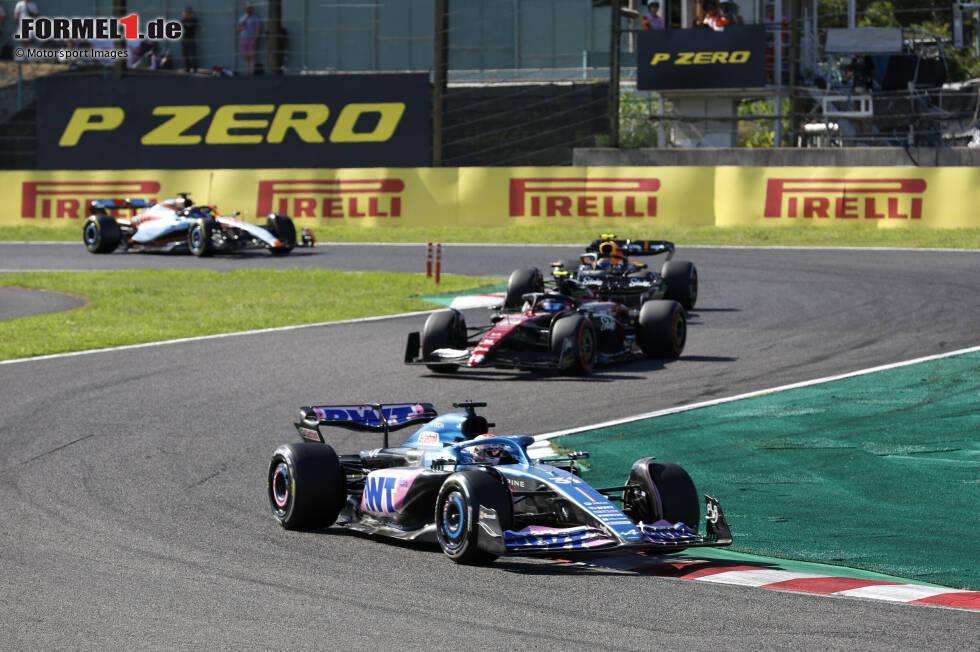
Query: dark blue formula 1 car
(479, 495)
(605, 272)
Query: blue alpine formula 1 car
(479, 495)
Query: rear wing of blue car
(369, 417)
(633, 247)
(100, 206)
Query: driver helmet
(551, 305)
(609, 248)
(608, 263)
(490, 453)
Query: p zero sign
(686, 59)
(234, 122)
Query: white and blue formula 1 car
(178, 224)
(479, 495)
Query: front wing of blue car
(661, 536)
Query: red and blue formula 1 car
(550, 331)
(480, 496)
(180, 224)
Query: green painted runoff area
(879, 472)
(446, 298)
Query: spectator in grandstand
(713, 17)
(283, 50)
(24, 10)
(730, 11)
(142, 56)
(249, 27)
(859, 73)
(188, 39)
(652, 19)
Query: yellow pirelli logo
(703, 58)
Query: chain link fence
(527, 84)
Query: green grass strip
(133, 307)
(795, 236)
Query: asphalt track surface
(134, 481)
(20, 302)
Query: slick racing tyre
(101, 234)
(580, 333)
(681, 277)
(283, 228)
(458, 514)
(306, 486)
(661, 329)
(661, 490)
(444, 329)
(200, 237)
(521, 282)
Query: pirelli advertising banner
(317, 121)
(594, 195)
(862, 196)
(616, 197)
(695, 59)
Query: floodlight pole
(274, 59)
(614, 31)
(440, 76)
(119, 11)
(794, 65)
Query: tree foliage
(933, 18)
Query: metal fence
(526, 81)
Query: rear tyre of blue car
(306, 486)
(458, 514)
(444, 329)
(661, 329)
(101, 234)
(200, 237)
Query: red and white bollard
(438, 261)
(428, 260)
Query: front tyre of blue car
(458, 514)
(661, 491)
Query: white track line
(216, 336)
(739, 397)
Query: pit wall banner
(620, 197)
